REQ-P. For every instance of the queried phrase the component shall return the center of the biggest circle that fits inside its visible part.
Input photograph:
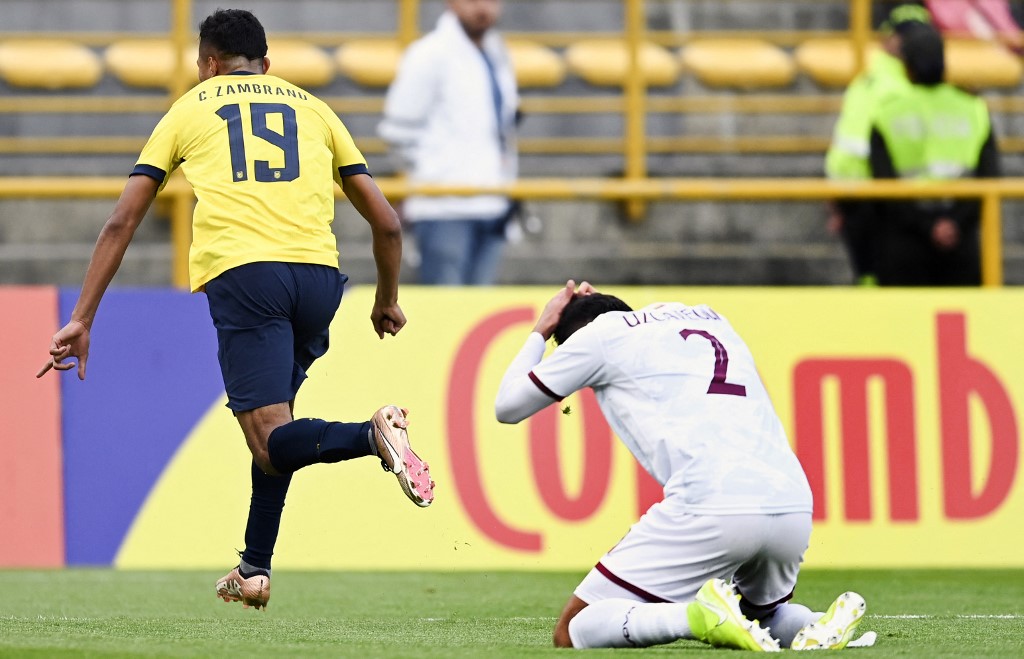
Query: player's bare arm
(387, 317)
(72, 341)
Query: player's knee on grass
(560, 636)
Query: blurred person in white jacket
(450, 115)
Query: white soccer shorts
(668, 555)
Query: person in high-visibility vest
(935, 131)
(847, 157)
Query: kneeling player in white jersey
(722, 550)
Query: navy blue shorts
(272, 323)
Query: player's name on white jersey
(643, 317)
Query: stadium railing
(990, 192)
(622, 66)
(740, 71)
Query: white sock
(622, 623)
(787, 620)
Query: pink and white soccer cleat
(396, 456)
(254, 591)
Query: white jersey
(679, 387)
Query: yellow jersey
(262, 156)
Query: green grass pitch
(109, 613)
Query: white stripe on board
(550, 619)
(877, 616)
(909, 616)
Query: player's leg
(620, 602)
(249, 581)
(257, 425)
(642, 591)
(622, 621)
(284, 445)
(254, 351)
(251, 307)
(561, 633)
(304, 441)
(269, 490)
(767, 581)
(309, 441)
(272, 321)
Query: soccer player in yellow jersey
(262, 156)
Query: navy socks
(268, 493)
(293, 446)
(310, 441)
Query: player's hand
(553, 310)
(71, 342)
(586, 288)
(387, 319)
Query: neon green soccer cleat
(834, 629)
(716, 619)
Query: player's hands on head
(553, 310)
(387, 319)
(71, 342)
(586, 288)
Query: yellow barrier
(990, 192)
(634, 103)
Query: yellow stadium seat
(828, 61)
(48, 64)
(150, 62)
(981, 64)
(605, 62)
(738, 63)
(374, 62)
(536, 65)
(146, 63)
(300, 63)
(369, 62)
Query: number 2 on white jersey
(718, 384)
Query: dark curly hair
(232, 33)
(582, 309)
